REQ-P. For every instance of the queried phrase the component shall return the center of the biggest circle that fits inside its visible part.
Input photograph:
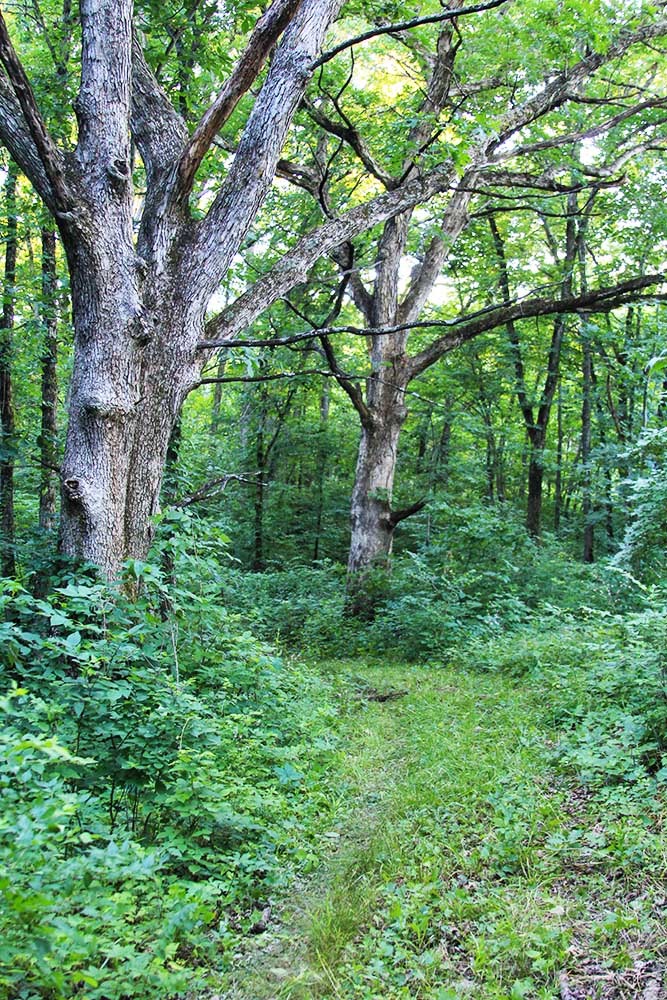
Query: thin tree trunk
(500, 470)
(558, 490)
(535, 483)
(48, 436)
(586, 410)
(537, 423)
(7, 417)
(322, 452)
(216, 406)
(258, 507)
(443, 450)
(490, 466)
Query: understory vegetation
(333, 500)
(469, 806)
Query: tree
(511, 136)
(139, 299)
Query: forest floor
(460, 859)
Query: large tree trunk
(371, 515)
(139, 298)
(131, 375)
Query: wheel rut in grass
(455, 865)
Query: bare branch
(595, 130)
(415, 22)
(271, 377)
(481, 321)
(354, 139)
(512, 332)
(216, 486)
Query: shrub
(154, 766)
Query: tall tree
(508, 157)
(139, 300)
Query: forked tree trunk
(139, 299)
(128, 385)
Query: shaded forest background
(474, 374)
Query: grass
(461, 860)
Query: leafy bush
(481, 577)
(155, 757)
(643, 547)
(605, 688)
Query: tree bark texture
(139, 304)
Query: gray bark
(139, 312)
(139, 308)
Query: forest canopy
(331, 334)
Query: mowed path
(460, 863)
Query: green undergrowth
(161, 775)
(484, 851)
(481, 576)
(180, 801)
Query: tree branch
(219, 235)
(352, 389)
(512, 333)
(396, 516)
(564, 88)
(350, 134)
(266, 33)
(215, 486)
(415, 22)
(57, 193)
(294, 266)
(158, 130)
(597, 300)
(103, 105)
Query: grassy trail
(461, 864)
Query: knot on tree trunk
(72, 490)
